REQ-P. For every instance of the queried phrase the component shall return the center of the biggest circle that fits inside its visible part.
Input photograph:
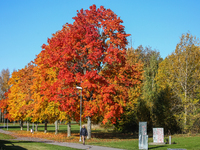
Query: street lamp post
(80, 88)
(7, 123)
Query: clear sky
(26, 24)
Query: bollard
(170, 140)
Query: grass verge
(7, 143)
(6, 136)
(191, 142)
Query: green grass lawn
(110, 139)
(189, 143)
(6, 143)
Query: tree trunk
(3, 118)
(32, 127)
(36, 127)
(21, 124)
(186, 100)
(28, 124)
(45, 127)
(56, 127)
(185, 119)
(89, 127)
(69, 129)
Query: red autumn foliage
(91, 53)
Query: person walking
(83, 133)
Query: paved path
(73, 145)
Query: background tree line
(170, 90)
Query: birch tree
(182, 75)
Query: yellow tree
(148, 89)
(128, 120)
(44, 109)
(135, 91)
(19, 100)
(181, 72)
(165, 107)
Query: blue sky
(26, 24)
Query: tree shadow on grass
(65, 131)
(113, 135)
(10, 127)
(155, 147)
(6, 145)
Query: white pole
(4, 122)
(7, 123)
(80, 88)
(33, 127)
(80, 113)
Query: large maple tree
(91, 53)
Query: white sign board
(158, 135)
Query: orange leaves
(4, 102)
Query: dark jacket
(83, 132)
